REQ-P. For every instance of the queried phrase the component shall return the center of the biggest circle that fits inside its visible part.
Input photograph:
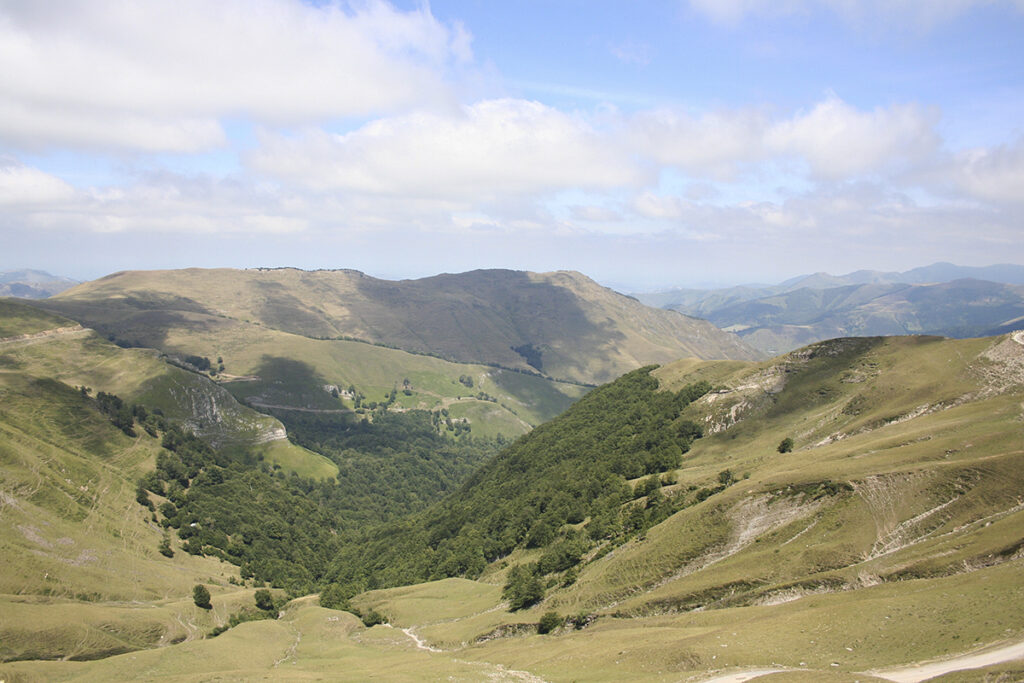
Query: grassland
(892, 533)
(58, 349)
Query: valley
(842, 512)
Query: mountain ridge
(812, 308)
(561, 324)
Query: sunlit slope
(63, 351)
(906, 465)
(81, 573)
(892, 533)
(561, 324)
(272, 368)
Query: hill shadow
(493, 316)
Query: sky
(647, 144)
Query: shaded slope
(563, 324)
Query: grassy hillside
(81, 573)
(891, 532)
(53, 347)
(561, 324)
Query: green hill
(561, 324)
(899, 501)
(851, 508)
(81, 573)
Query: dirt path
(912, 673)
(494, 672)
(44, 336)
(741, 676)
(926, 670)
(420, 643)
(259, 404)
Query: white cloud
(834, 139)
(164, 203)
(22, 185)
(712, 143)
(838, 141)
(995, 174)
(160, 73)
(493, 149)
(651, 205)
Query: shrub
(264, 600)
(333, 597)
(786, 445)
(372, 618)
(201, 596)
(549, 622)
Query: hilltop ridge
(561, 324)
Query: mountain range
(32, 284)
(942, 299)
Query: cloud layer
(161, 76)
(349, 123)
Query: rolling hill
(562, 325)
(32, 284)
(890, 534)
(817, 307)
(840, 513)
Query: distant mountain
(32, 284)
(939, 299)
(562, 324)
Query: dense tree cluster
(539, 491)
(391, 466)
(564, 488)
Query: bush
(549, 622)
(334, 597)
(786, 445)
(372, 618)
(264, 600)
(201, 596)
(523, 588)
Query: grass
(81, 572)
(17, 319)
(585, 332)
(375, 371)
(138, 375)
(918, 557)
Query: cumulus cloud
(711, 143)
(995, 173)
(162, 203)
(22, 185)
(161, 75)
(491, 149)
(835, 139)
(839, 141)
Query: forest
(565, 488)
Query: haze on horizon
(648, 144)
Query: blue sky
(647, 144)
